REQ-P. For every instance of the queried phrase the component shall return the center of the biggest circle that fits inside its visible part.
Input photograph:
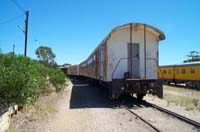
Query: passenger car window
(169, 71)
(94, 58)
(164, 72)
(192, 70)
(183, 70)
(101, 54)
(177, 71)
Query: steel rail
(152, 126)
(185, 119)
(182, 86)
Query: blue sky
(73, 28)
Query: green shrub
(57, 78)
(23, 80)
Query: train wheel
(140, 96)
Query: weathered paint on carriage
(115, 46)
(118, 48)
(134, 40)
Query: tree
(192, 57)
(46, 55)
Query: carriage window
(192, 70)
(164, 72)
(177, 71)
(169, 71)
(101, 54)
(183, 70)
(83, 65)
(90, 61)
(94, 58)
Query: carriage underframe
(140, 87)
(118, 87)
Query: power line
(26, 23)
(12, 19)
(18, 5)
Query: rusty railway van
(126, 61)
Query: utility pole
(13, 48)
(26, 32)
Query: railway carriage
(126, 61)
(64, 69)
(73, 70)
(184, 73)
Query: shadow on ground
(86, 96)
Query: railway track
(180, 117)
(182, 86)
(151, 125)
(163, 110)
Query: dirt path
(65, 119)
(81, 114)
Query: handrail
(156, 60)
(120, 61)
(117, 66)
(131, 58)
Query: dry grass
(30, 115)
(190, 99)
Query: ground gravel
(192, 114)
(92, 119)
(84, 108)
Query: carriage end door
(133, 60)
